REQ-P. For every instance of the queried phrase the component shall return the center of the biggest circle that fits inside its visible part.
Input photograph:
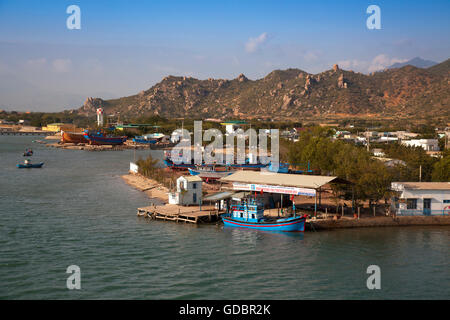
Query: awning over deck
(281, 179)
(219, 196)
(225, 195)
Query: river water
(76, 210)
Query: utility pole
(368, 141)
(420, 173)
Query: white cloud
(253, 44)
(382, 61)
(62, 65)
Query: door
(427, 207)
(194, 197)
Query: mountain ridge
(291, 94)
(415, 62)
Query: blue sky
(124, 47)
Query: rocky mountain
(292, 94)
(415, 62)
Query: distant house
(57, 127)
(189, 191)
(426, 144)
(23, 122)
(378, 152)
(231, 126)
(388, 162)
(404, 135)
(387, 139)
(421, 198)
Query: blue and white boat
(144, 140)
(250, 214)
(27, 164)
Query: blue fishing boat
(27, 165)
(143, 140)
(178, 166)
(249, 213)
(99, 138)
(285, 168)
(248, 165)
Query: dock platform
(171, 212)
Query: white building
(189, 191)
(404, 134)
(421, 198)
(378, 152)
(426, 144)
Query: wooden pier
(171, 212)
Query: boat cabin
(248, 209)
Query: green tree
(441, 169)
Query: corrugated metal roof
(218, 196)
(424, 185)
(280, 179)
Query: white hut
(189, 191)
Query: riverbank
(152, 188)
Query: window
(446, 201)
(253, 216)
(411, 203)
(194, 186)
(194, 197)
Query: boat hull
(98, 140)
(207, 175)
(28, 166)
(181, 166)
(73, 137)
(295, 224)
(144, 141)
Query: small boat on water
(99, 138)
(28, 153)
(28, 164)
(249, 213)
(73, 137)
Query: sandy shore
(151, 187)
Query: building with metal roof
(281, 179)
(282, 183)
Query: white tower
(100, 117)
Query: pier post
(315, 205)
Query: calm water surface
(77, 210)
